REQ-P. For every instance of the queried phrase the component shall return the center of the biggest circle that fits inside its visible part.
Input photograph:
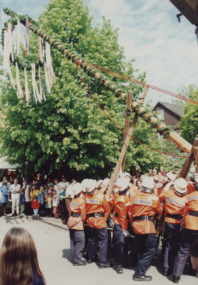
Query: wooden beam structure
(184, 171)
(188, 8)
(127, 122)
(195, 149)
(125, 144)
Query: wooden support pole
(127, 121)
(180, 142)
(125, 147)
(196, 155)
(122, 155)
(141, 100)
(188, 161)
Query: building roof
(176, 109)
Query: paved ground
(52, 241)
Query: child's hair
(18, 259)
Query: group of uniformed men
(143, 211)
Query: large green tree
(189, 121)
(69, 133)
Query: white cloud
(150, 33)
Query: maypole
(92, 71)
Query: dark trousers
(42, 210)
(77, 242)
(28, 208)
(187, 239)
(97, 239)
(119, 242)
(3, 208)
(172, 236)
(147, 247)
(48, 212)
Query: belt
(193, 213)
(96, 215)
(75, 214)
(143, 218)
(175, 216)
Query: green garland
(74, 57)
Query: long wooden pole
(127, 122)
(196, 155)
(122, 155)
(92, 71)
(125, 146)
(188, 161)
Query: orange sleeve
(106, 208)
(82, 210)
(162, 197)
(159, 207)
(122, 215)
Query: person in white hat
(174, 203)
(144, 206)
(97, 210)
(77, 216)
(189, 233)
(120, 228)
(170, 180)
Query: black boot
(142, 278)
(176, 279)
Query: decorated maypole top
(44, 61)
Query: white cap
(148, 182)
(170, 176)
(122, 184)
(77, 188)
(180, 186)
(106, 182)
(99, 182)
(70, 192)
(90, 185)
(83, 184)
(192, 170)
(125, 175)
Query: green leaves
(69, 133)
(189, 121)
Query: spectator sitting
(18, 259)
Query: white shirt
(14, 188)
(55, 201)
(60, 187)
(27, 193)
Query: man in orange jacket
(189, 235)
(174, 203)
(97, 210)
(77, 216)
(121, 204)
(144, 207)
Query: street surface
(52, 242)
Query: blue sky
(149, 32)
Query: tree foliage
(69, 133)
(189, 121)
